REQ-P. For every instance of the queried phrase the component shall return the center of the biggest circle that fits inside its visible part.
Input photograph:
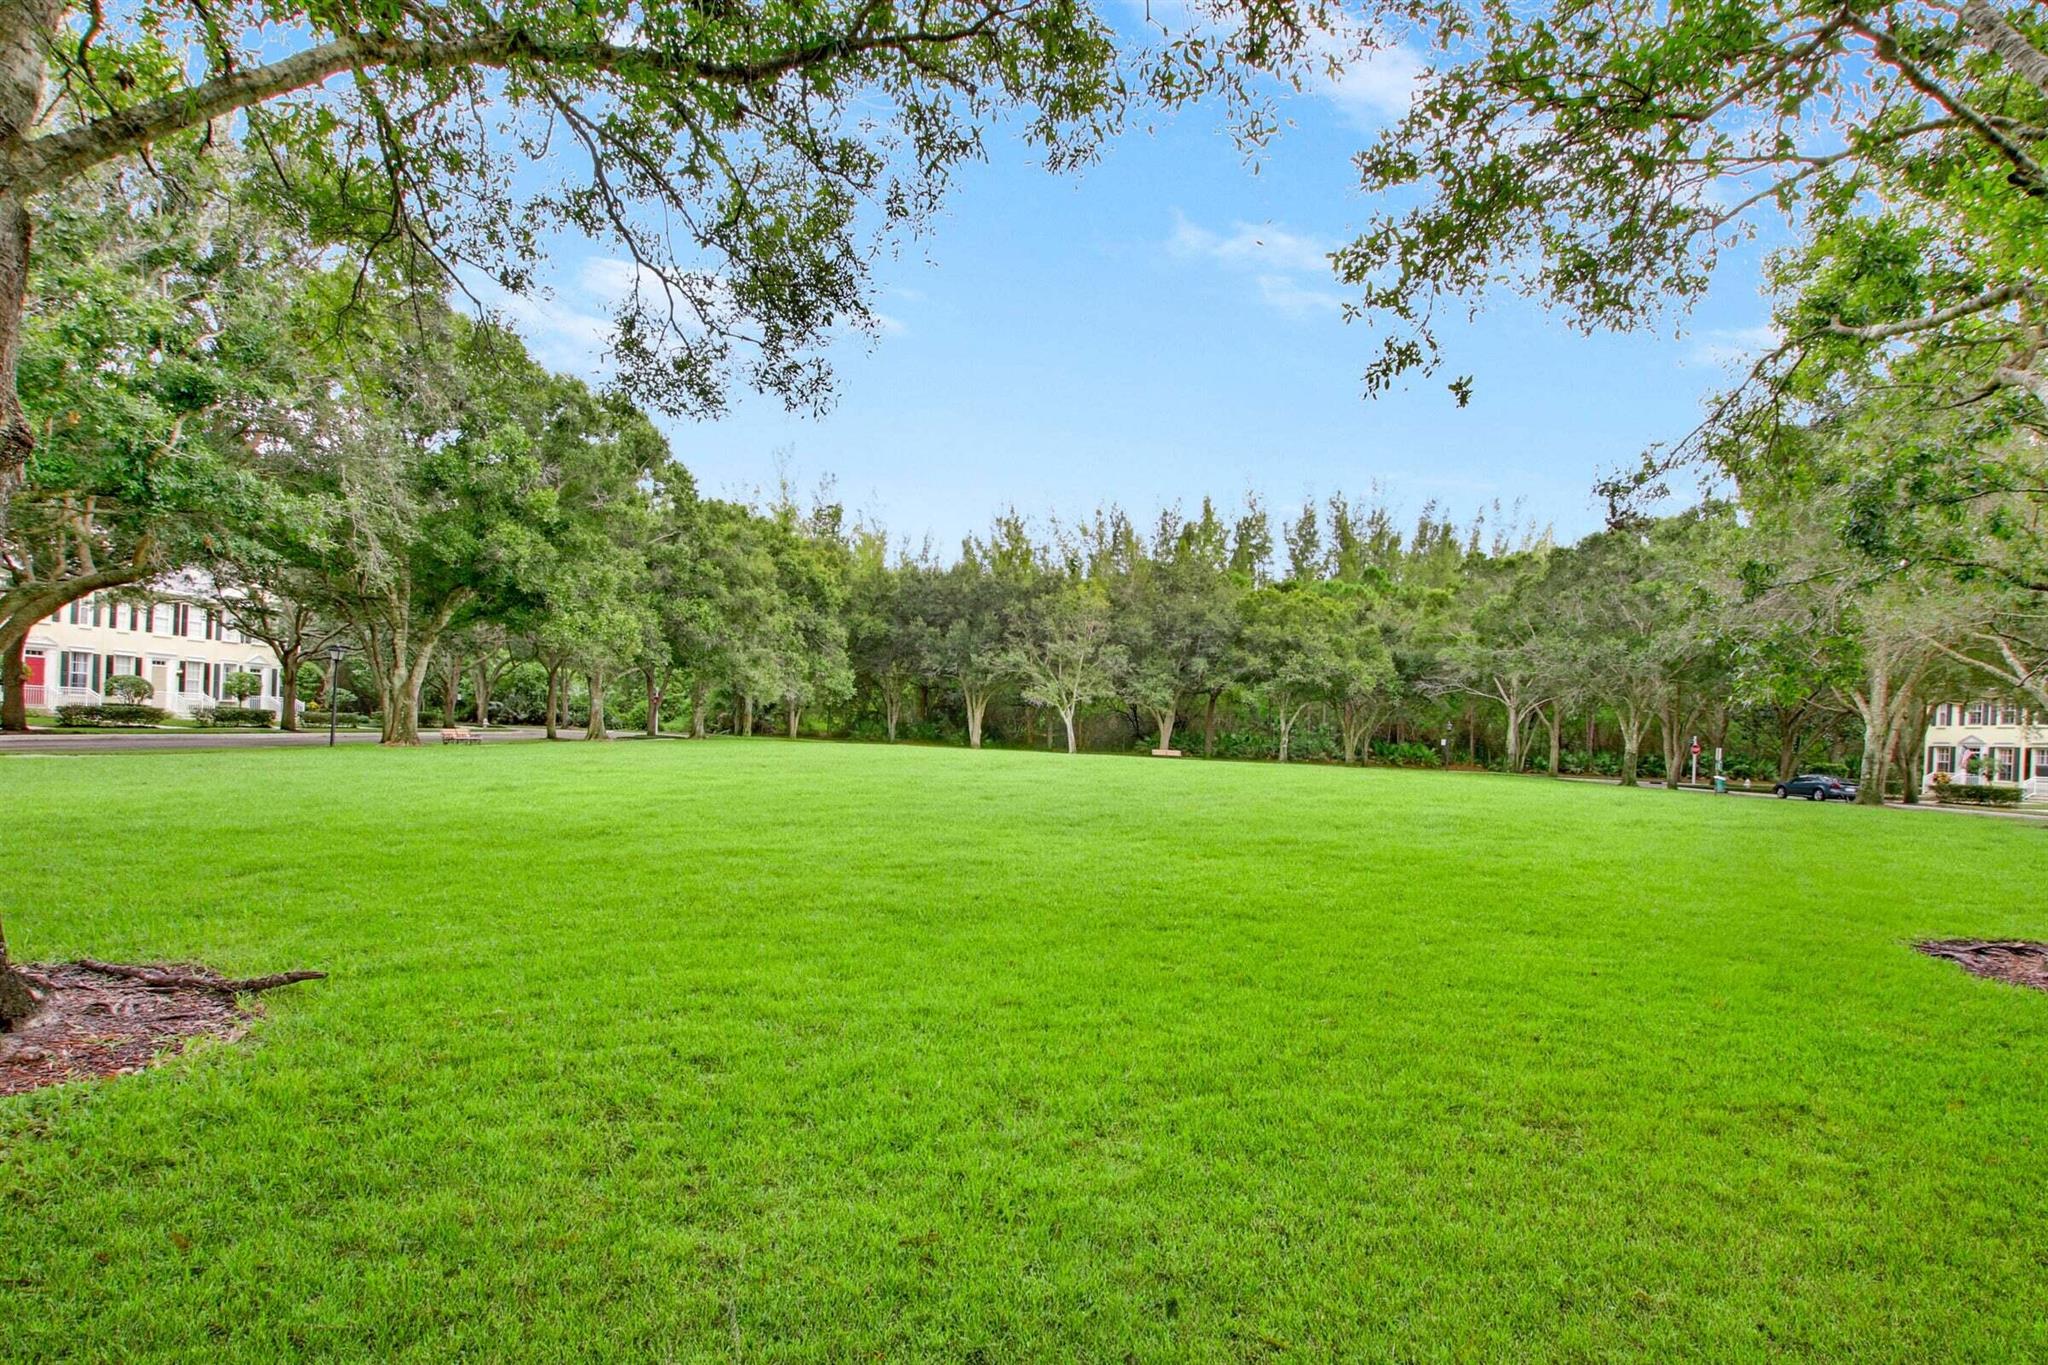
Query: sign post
(1695, 760)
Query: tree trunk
(1913, 749)
(29, 29)
(1209, 725)
(1882, 705)
(451, 688)
(14, 686)
(1165, 720)
(746, 713)
(288, 662)
(1286, 718)
(15, 1001)
(1067, 714)
(892, 709)
(1789, 742)
(398, 690)
(21, 79)
(1632, 723)
(1671, 729)
(792, 712)
(594, 727)
(653, 704)
(698, 695)
(1553, 719)
(554, 694)
(1871, 772)
(977, 703)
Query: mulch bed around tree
(101, 1019)
(2014, 960)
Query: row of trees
(352, 459)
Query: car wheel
(1780, 792)
(1817, 795)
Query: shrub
(233, 715)
(127, 687)
(1979, 794)
(112, 713)
(1405, 755)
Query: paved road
(131, 742)
(2033, 814)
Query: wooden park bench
(460, 734)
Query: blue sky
(1161, 326)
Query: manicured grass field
(805, 1051)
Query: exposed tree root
(2018, 961)
(200, 980)
(98, 1019)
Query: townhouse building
(169, 633)
(2009, 742)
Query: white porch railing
(77, 696)
(35, 695)
(185, 703)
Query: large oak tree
(742, 156)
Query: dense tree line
(354, 461)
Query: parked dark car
(1817, 787)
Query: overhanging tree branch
(49, 160)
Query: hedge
(112, 713)
(1980, 794)
(233, 715)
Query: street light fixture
(336, 652)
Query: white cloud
(1378, 73)
(1285, 266)
(566, 332)
(1287, 295)
(1374, 87)
(1729, 347)
(1267, 247)
(568, 323)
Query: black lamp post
(335, 653)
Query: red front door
(35, 664)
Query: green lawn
(809, 1051)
